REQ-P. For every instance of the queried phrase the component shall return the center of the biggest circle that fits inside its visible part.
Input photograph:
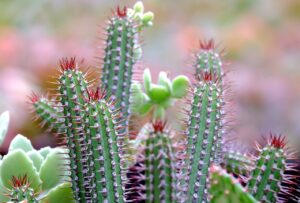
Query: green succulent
(158, 96)
(41, 168)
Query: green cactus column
(121, 53)
(265, 182)
(72, 89)
(204, 135)
(106, 143)
(159, 166)
(237, 162)
(49, 112)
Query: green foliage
(223, 188)
(158, 96)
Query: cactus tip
(96, 95)
(122, 12)
(207, 45)
(159, 126)
(19, 181)
(33, 97)
(67, 64)
(277, 141)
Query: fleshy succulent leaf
(45, 151)
(16, 164)
(20, 142)
(61, 193)
(147, 80)
(51, 166)
(180, 86)
(37, 158)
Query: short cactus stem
(119, 59)
(223, 188)
(204, 136)
(159, 168)
(105, 144)
(48, 112)
(73, 89)
(21, 191)
(237, 162)
(268, 174)
(208, 60)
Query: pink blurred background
(261, 39)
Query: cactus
(29, 173)
(98, 164)
(208, 60)
(237, 162)
(21, 190)
(48, 112)
(223, 188)
(106, 141)
(268, 174)
(156, 166)
(204, 135)
(121, 53)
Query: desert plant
(183, 168)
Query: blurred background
(261, 41)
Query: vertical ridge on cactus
(268, 174)
(204, 136)
(105, 143)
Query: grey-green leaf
(4, 122)
(20, 142)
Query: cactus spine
(223, 188)
(266, 179)
(105, 141)
(204, 135)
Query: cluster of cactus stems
(94, 128)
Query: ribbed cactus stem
(21, 191)
(223, 188)
(105, 143)
(208, 60)
(266, 178)
(49, 112)
(159, 166)
(204, 136)
(237, 162)
(72, 89)
(119, 59)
